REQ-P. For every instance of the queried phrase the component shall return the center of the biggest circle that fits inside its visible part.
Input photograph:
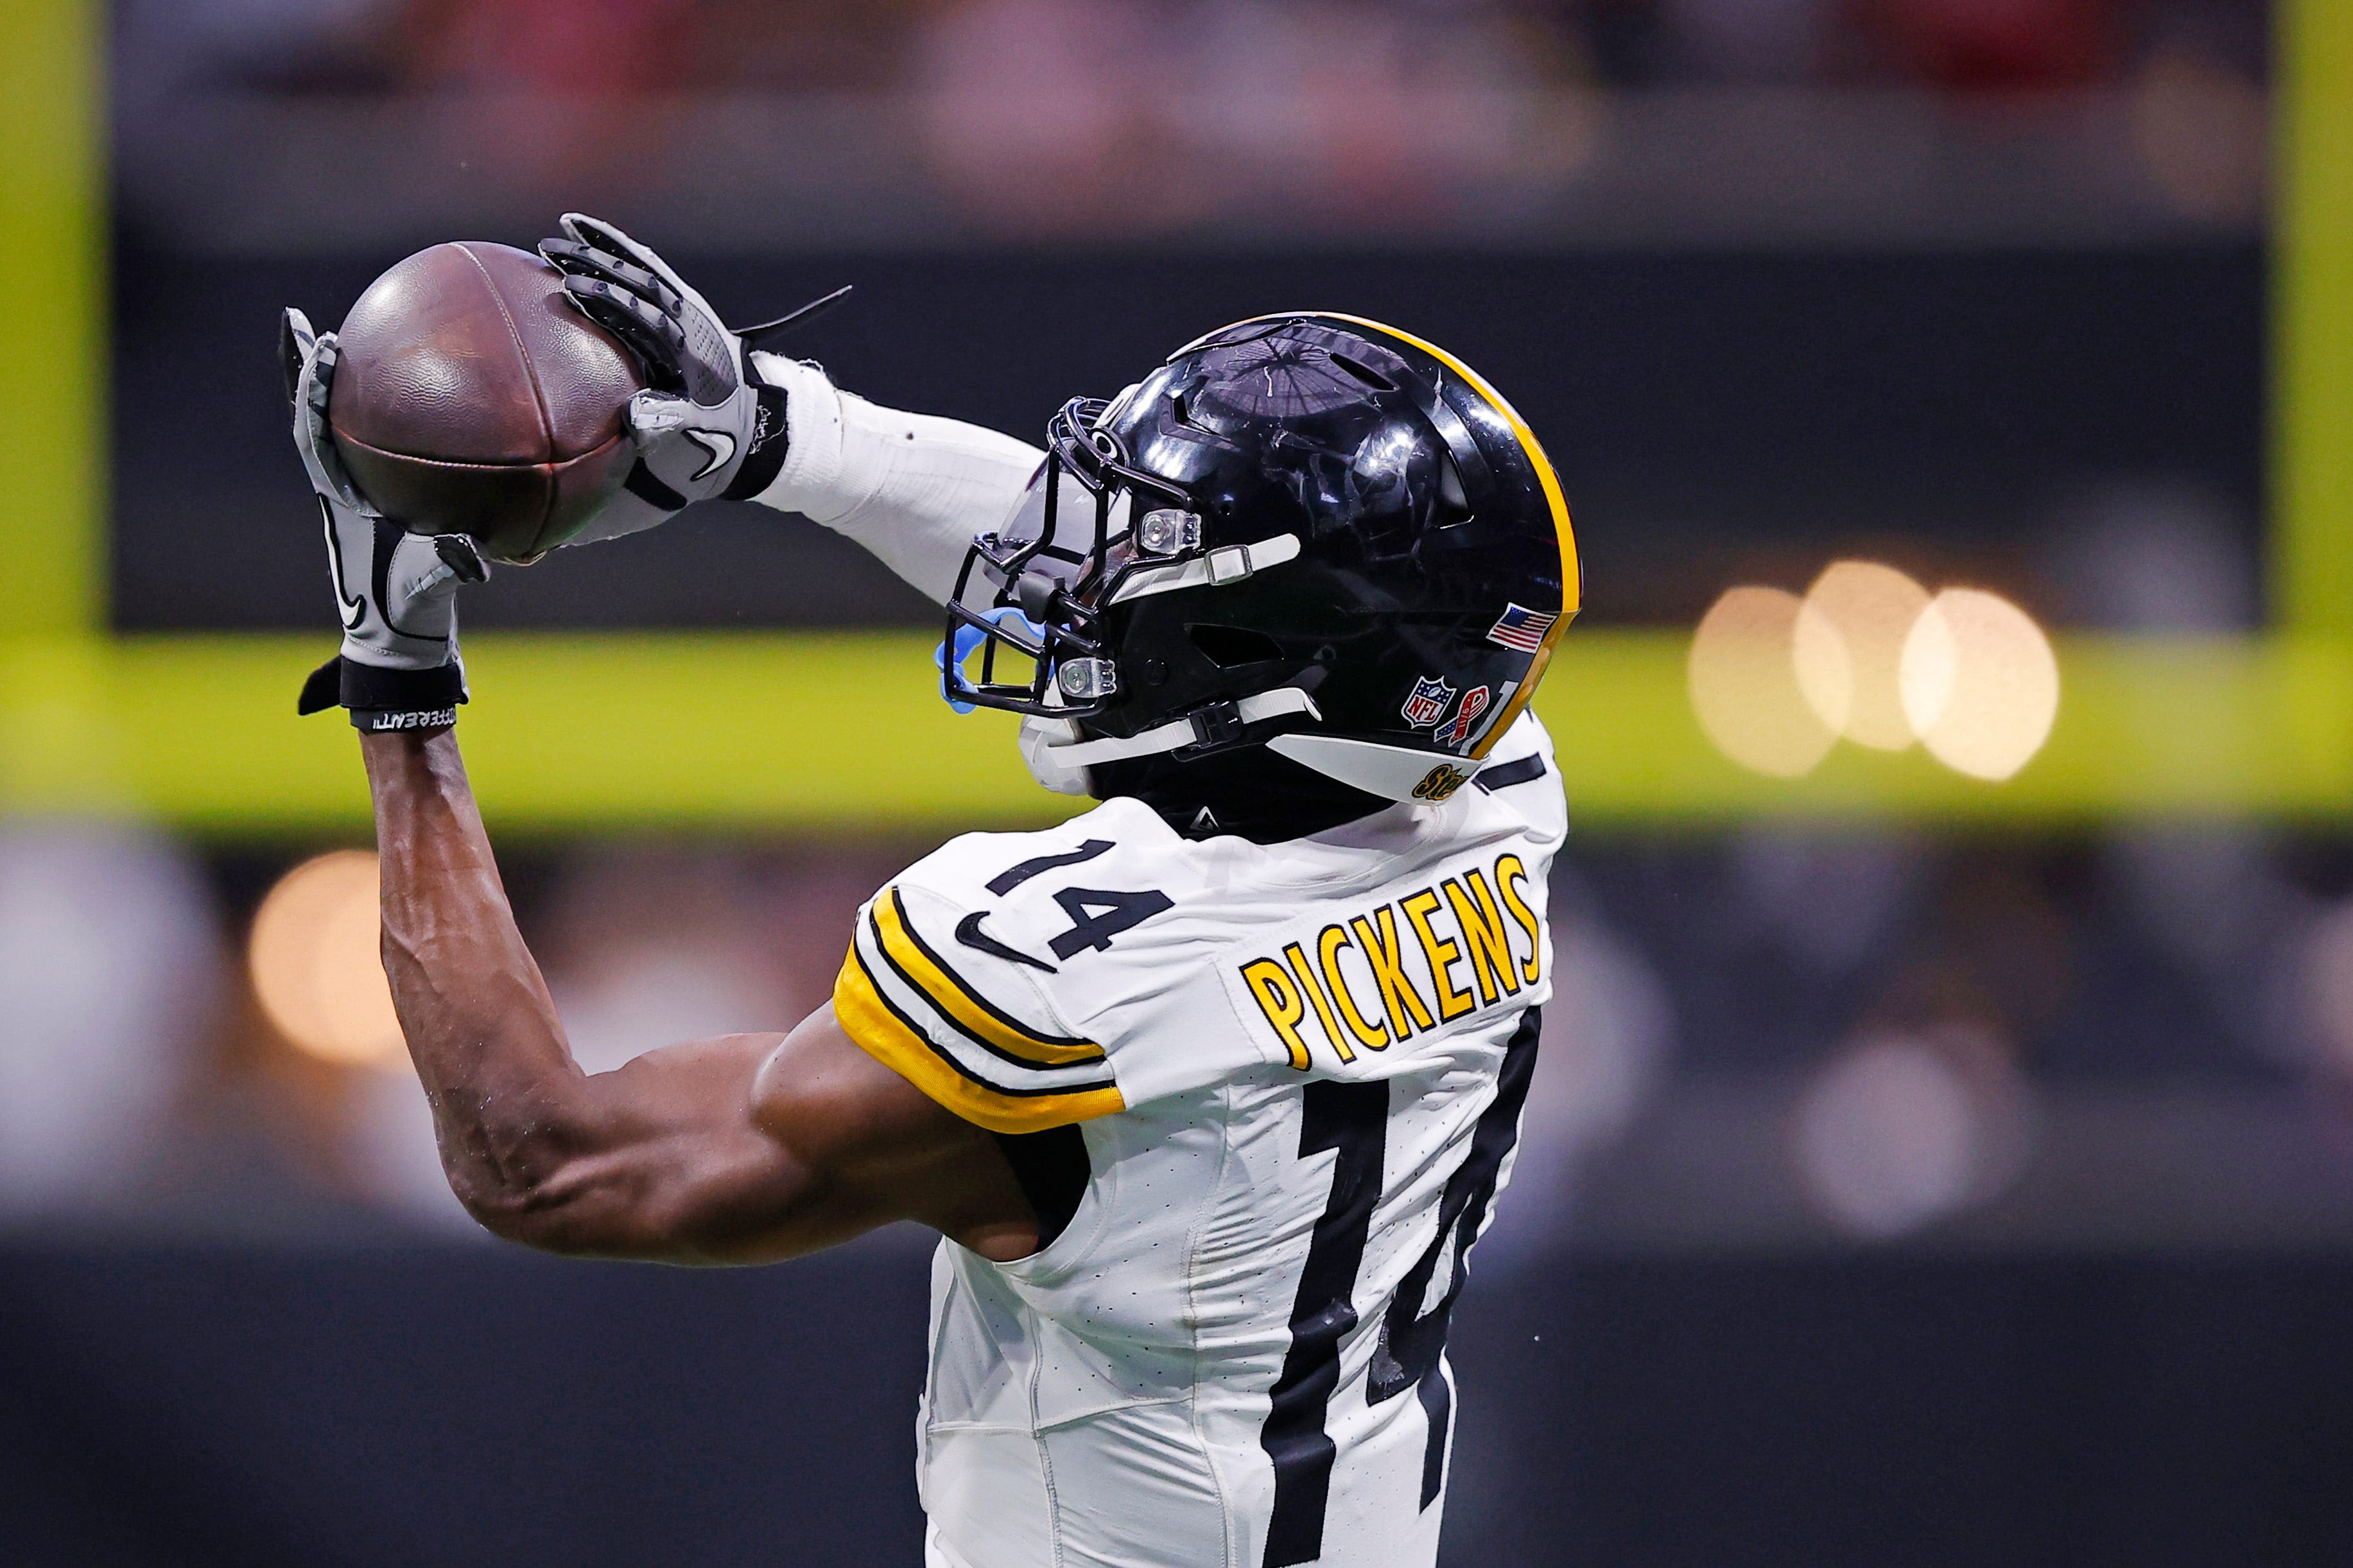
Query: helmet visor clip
(1166, 531)
(1087, 679)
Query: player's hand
(708, 427)
(396, 591)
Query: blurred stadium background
(1944, 1150)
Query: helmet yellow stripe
(1572, 575)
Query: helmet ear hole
(1227, 646)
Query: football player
(1209, 1090)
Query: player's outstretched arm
(742, 1149)
(725, 420)
(913, 488)
(736, 1149)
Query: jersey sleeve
(913, 488)
(960, 1023)
(1029, 980)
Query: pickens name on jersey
(1360, 983)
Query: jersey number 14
(1352, 1120)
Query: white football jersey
(1298, 1070)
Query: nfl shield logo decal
(1427, 704)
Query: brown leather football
(473, 398)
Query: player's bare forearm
(741, 1148)
(477, 1016)
(512, 1112)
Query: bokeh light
(1769, 681)
(1980, 683)
(2202, 129)
(108, 975)
(316, 965)
(1873, 607)
(1910, 1124)
(2328, 986)
(1888, 1138)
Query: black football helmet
(1307, 531)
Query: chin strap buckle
(1219, 724)
(1215, 724)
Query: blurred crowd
(1784, 1035)
(649, 47)
(1115, 117)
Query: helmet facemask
(1032, 593)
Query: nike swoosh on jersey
(962, 1004)
(1504, 776)
(969, 932)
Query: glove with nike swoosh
(397, 591)
(708, 426)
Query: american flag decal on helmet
(1520, 627)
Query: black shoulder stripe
(1006, 881)
(911, 983)
(972, 991)
(1504, 776)
(948, 1057)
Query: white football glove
(708, 426)
(395, 591)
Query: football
(471, 397)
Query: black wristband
(381, 699)
(374, 721)
(769, 445)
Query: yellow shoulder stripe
(867, 1018)
(978, 1016)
